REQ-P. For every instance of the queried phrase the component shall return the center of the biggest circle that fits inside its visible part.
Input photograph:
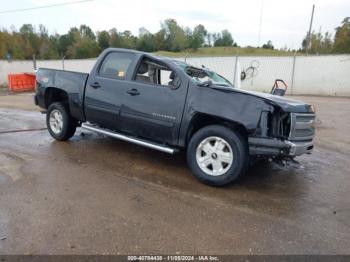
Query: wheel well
(55, 95)
(201, 120)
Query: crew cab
(168, 105)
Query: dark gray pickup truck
(169, 105)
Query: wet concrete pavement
(97, 195)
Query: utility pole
(260, 21)
(309, 34)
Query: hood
(286, 104)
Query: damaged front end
(282, 135)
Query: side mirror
(206, 83)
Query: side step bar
(134, 140)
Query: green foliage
(175, 38)
(146, 41)
(122, 39)
(224, 39)
(268, 45)
(82, 42)
(103, 39)
(114, 38)
(197, 37)
(342, 37)
(86, 32)
(227, 51)
(127, 40)
(318, 43)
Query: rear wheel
(217, 155)
(60, 124)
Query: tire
(63, 126)
(217, 155)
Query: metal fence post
(34, 62)
(235, 72)
(63, 62)
(293, 71)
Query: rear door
(106, 88)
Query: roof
(139, 53)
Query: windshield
(203, 76)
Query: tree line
(82, 42)
(319, 43)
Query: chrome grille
(302, 127)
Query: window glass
(116, 65)
(166, 77)
(203, 75)
(154, 73)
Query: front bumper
(298, 148)
(276, 147)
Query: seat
(152, 75)
(140, 77)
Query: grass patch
(226, 51)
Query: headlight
(312, 109)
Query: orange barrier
(21, 82)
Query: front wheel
(60, 124)
(217, 155)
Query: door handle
(95, 85)
(133, 92)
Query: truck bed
(71, 82)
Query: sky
(285, 23)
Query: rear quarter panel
(73, 83)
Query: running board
(134, 140)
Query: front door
(154, 102)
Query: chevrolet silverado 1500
(168, 105)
